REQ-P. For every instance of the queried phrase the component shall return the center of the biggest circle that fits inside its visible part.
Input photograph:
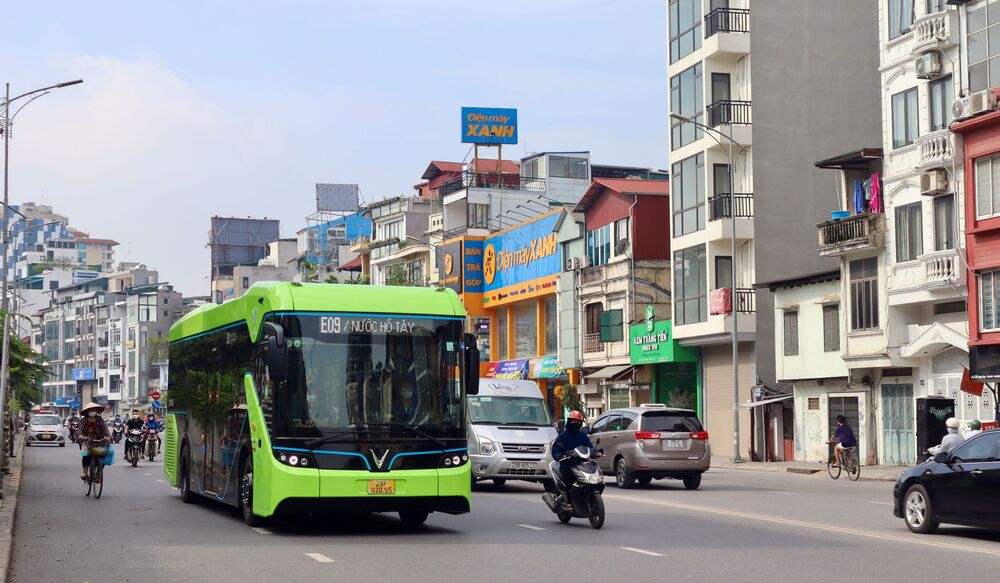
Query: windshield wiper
(314, 443)
(415, 431)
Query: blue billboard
(489, 125)
(83, 374)
(522, 258)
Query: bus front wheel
(246, 495)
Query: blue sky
(194, 109)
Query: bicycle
(849, 462)
(95, 473)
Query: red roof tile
(437, 167)
(623, 186)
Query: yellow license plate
(381, 486)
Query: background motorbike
(582, 498)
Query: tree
(310, 271)
(363, 280)
(331, 278)
(396, 275)
(27, 372)
(570, 398)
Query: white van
(510, 432)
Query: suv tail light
(699, 435)
(639, 435)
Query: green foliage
(27, 372)
(310, 271)
(331, 278)
(571, 398)
(363, 280)
(396, 275)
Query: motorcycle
(133, 446)
(117, 431)
(151, 443)
(581, 499)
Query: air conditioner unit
(975, 104)
(933, 182)
(570, 263)
(928, 65)
(582, 262)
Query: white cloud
(137, 154)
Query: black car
(959, 487)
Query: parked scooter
(133, 446)
(582, 499)
(117, 431)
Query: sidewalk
(881, 473)
(8, 506)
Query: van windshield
(487, 410)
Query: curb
(8, 510)
(800, 471)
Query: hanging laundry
(859, 196)
(876, 199)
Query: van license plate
(522, 465)
(378, 487)
(675, 443)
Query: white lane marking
(319, 557)
(159, 480)
(529, 527)
(781, 492)
(881, 503)
(259, 530)
(146, 474)
(641, 551)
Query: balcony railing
(727, 20)
(935, 30)
(941, 266)
(492, 180)
(839, 236)
(935, 149)
(746, 300)
(722, 206)
(592, 343)
(729, 112)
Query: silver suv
(651, 442)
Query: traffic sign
(155, 395)
(157, 405)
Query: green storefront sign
(652, 342)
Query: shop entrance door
(898, 437)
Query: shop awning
(752, 404)
(610, 372)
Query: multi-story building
(802, 79)
(808, 358)
(324, 244)
(624, 272)
(399, 250)
(237, 241)
(278, 265)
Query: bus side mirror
(471, 364)
(277, 356)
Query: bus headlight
(453, 460)
(486, 446)
(296, 460)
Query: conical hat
(89, 406)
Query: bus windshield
(488, 410)
(350, 373)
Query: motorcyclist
(952, 440)
(571, 438)
(74, 425)
(133, 422)
(152, 424)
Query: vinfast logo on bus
(489, 125)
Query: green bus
(320, 397)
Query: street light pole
(5, 357)
(712, 132)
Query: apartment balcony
(491, 180)
(934, 150)
(932, 277)
(600, 280)
(935, 31)
(730, 112)
(727, 33)
(726, 205)
(855, 233)
(384, 248)
(597, 353)
(360, 245)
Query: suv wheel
(692, 481)
(623, 477)
(645, 479)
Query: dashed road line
(642, 552)
(927, 542)
(880, 503)
(319, 557)
(782, 492)
(260, 530)
(530, 527)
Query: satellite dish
(621, 246)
